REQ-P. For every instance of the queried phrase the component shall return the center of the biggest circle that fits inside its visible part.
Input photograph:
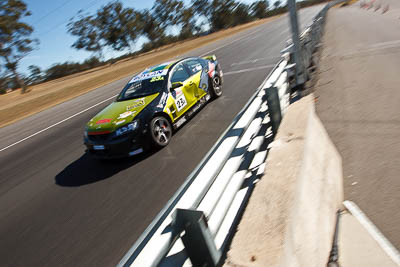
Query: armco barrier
(309, 41)
(197, 220)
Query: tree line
(119, 28)
(116, 27)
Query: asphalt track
(59, 207)
(358, 102)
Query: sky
(49, 19)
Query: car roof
(165, 65)
(162, 66)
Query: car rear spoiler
(211, 58)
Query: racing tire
(216, 89)
(160, 131)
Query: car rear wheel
(161, 131)
(216, 90)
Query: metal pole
(300, 79)
(274, 108)
(197, 238)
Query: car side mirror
(176, 85)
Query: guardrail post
(298, 59)
(198, 240)
(274, 107)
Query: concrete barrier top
(290, 218)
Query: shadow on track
(87, 170)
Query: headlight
(85, 134)
(127, 128)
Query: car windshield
(144, 84)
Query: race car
(152, 106)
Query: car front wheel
(161, 131)
(216, 90)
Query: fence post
(197, 239)
(274, 107)
(298, 59)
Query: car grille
(99, 137)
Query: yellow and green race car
(152, 105)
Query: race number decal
(180, 102)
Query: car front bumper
(126, 146)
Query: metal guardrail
(310, 40)
(198, 219)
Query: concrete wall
(290, 218)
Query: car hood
(118, 114)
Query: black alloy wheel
(161, 131)
(216, 90)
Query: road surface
(358, 103)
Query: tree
(91, 62)
(221, 14)
(167, 12)
(3, 82)
(15, 43)
(259, 9)
(151, 28)
(188, 23)
(86, 28)
(203, 8)
(112, 25)
(277, 4)
(118, 26)
(62, 69)
(35, 74)
(241, 14)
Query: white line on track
(55, 124)
(80, 112)
(284, 31)
(373, 231)
(369, 49)
(251, 69)
(393, 43)
(233, 41)
(254, 60)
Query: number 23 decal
(180, 102)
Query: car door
(198, 76)
(184, 95)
